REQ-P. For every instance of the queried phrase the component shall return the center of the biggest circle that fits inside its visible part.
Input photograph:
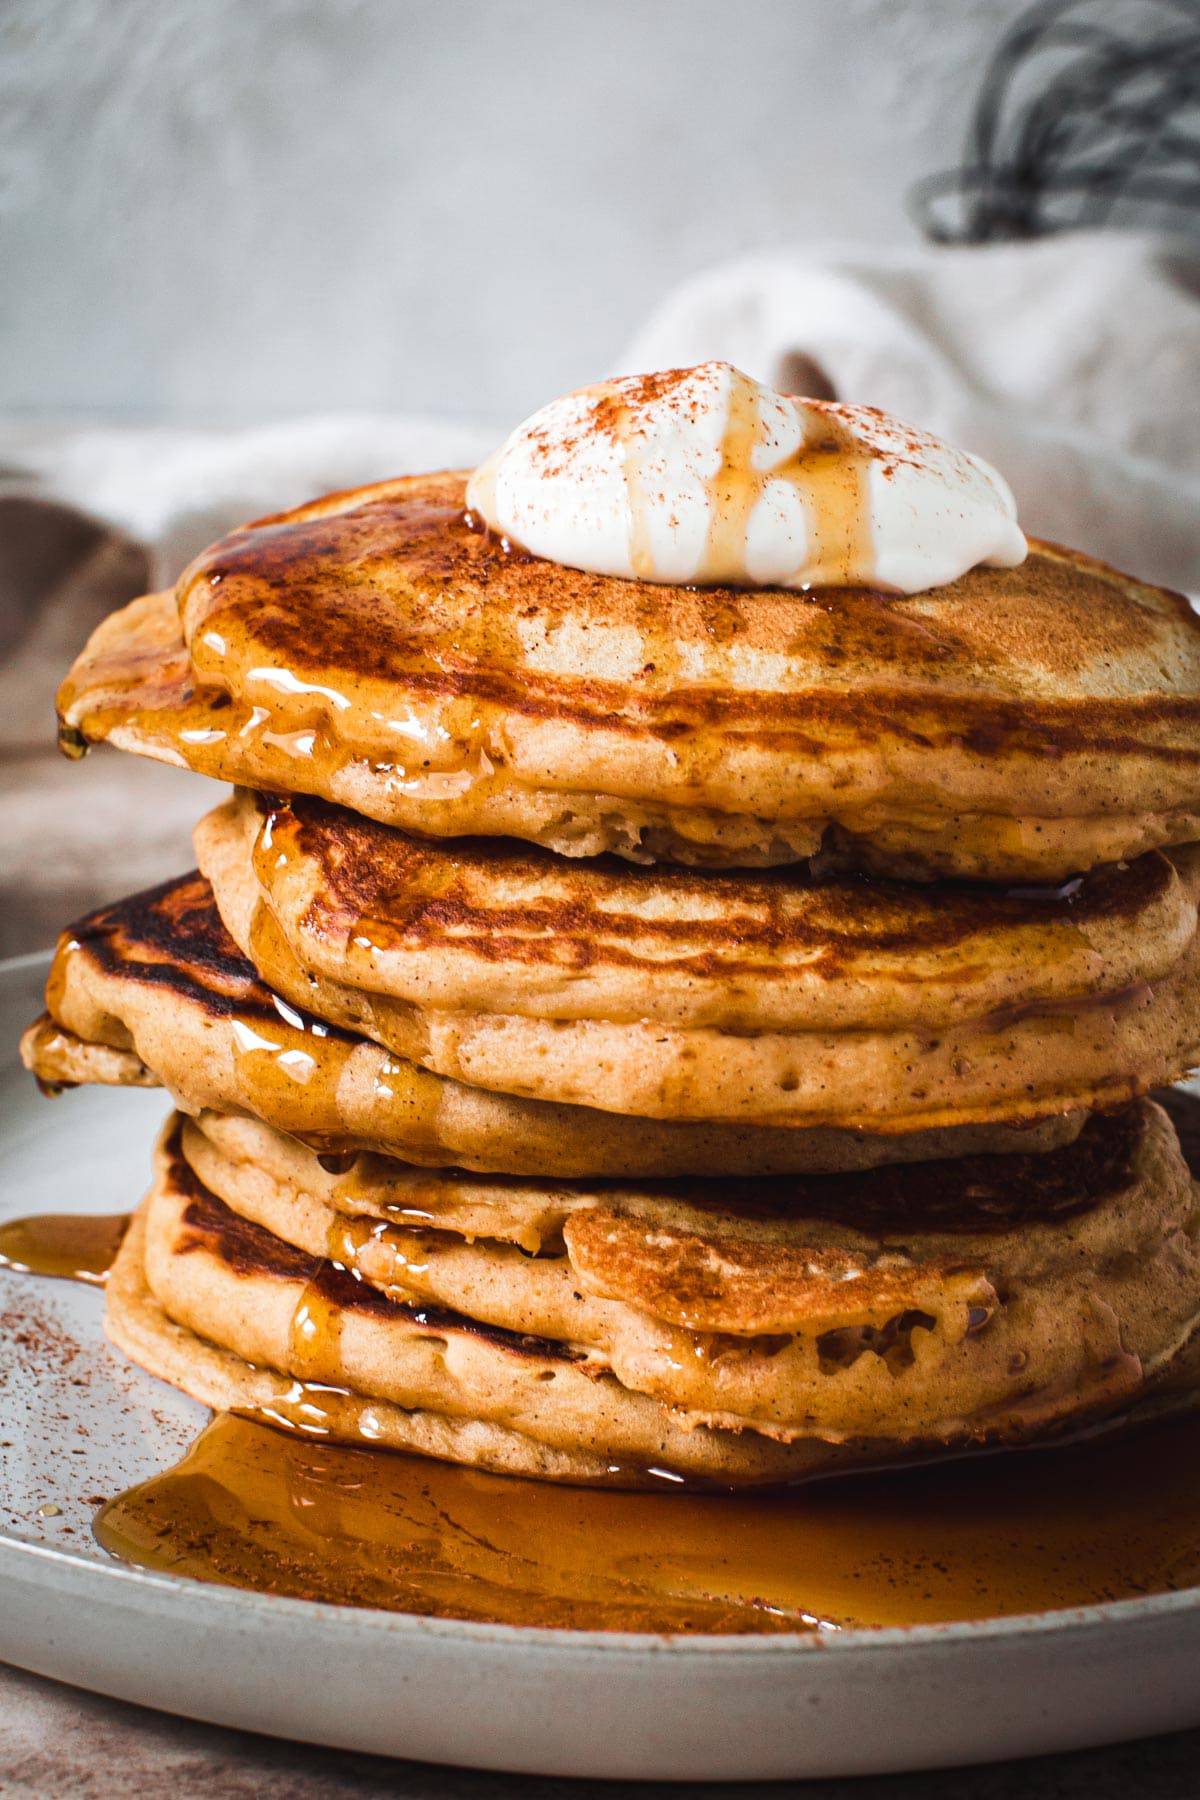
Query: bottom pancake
(233, 1336)
(983, 1296)
(240, 1318)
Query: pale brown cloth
(1070, 362)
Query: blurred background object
(1086, 116)
(252, 252)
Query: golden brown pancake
(993, 1293)
(59, 1059)
(508, 1401)
(137, 1323)
(159, 976)
(376, 649)
(776, 999)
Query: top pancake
(376, 649)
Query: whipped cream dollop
(705, 476)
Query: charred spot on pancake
(989, 1192)
(166, 934)
(171, 936)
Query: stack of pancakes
(625, 1033)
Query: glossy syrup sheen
(981, 1538)
(830, 475)
(72, 1246)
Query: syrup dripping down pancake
(1018, 724)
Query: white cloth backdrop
(1072, 364)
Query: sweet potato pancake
(772, 999)
(380, 650)
(996, 1302)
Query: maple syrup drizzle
(641, 543)
(317, 1411)
(70, 1246)
(734, 490)
(830, 477)
(315, 1333)
(289, 1068)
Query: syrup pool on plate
(977, 1538)
(285, 1511)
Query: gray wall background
(227, 210)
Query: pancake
(138, 1325)
(239, 1318)
(930, 1301)
(533, 1406)
(58, 1059)
(158, 975)
(376, 649)
(532, 1212)
(776, 1000)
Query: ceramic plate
(77, 1424)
